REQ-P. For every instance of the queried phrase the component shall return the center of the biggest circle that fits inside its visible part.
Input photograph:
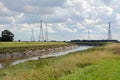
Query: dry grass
(55, 68)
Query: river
(8, 63)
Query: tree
(7, 36)
(0, 38)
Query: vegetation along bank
(100, 63)
(16, 50)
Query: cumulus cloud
(33, 6)
(4, 11)
(63, 28)
(63, 16)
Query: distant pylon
(46, 34)
(41, 37)
(109, 32)
(89, 37)
(32, 36)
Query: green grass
(28, 44)
(23, 46)
(100, 63)
(90, 43)
(105, 70)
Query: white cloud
(88, 30)
(33, 7)
(64, 28)
(80, 26)
(64, 16)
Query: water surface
(7, 63)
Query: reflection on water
(66, 52)
(2, 65)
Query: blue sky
(67, 19)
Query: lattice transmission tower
(109, 32)
(41, 37)
(89, 35)
(46, 34)
(32, 36)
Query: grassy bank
(23, 46)
(90, 43)
(27, 44)
(100, 63)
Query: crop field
(99, 63)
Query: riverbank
(9, 47)
(100, 63)
(55, 53)
(18, 50)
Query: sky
(66, 19)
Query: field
(23, 46)
(28, 44)
(100, 63)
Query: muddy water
(54, 54)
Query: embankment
(36, 52)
